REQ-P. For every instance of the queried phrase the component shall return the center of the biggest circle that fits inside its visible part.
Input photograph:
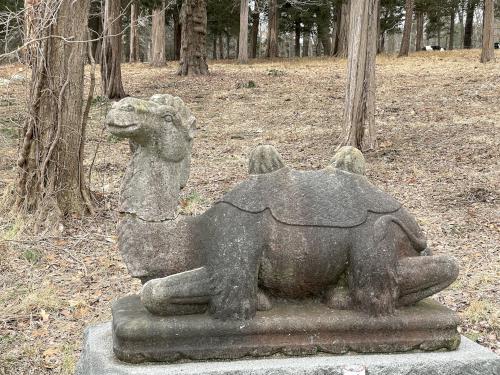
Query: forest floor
(438, 125)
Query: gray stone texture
(304, 328)
(470, 359)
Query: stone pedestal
(97, 358)
(287, 329)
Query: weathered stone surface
(97, 358)
(350, 159)
(281, 235)
(290, 329)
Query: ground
(438, 128)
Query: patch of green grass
(12, 230)
(247, 85)
(32, 256)
(275, 72)
(192, 204)
(68, 360)
(9, 132)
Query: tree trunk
(420, 31)
(405, 42)
(158, 34)
(451, 42)
(359, 111)
(228, 45)
(488, 52)
(272, 33)
(221, 46)
(111, 54)
(193, 38)
(461, 21)
(297, 38)
(305, 46)
(243, 39)
(214, 48)
(50, 180)
(255, 32)
(134, 36)
(343, 30)
(177, 36)
(469, 23)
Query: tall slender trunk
(469, 23)
(221, 47)
(255, 32)
(228, 45)
(297, 38)
(111, 54)
(134, 36)
(305, 46)
(193, 38)
(359, 111)
(158, 34)
(343, 30)
(177, 35)
(420, 31)
(452, 30)
(488, 52)
(462, 27)
(243, 38)
(405, 42)
(50, 181)
(272, 38)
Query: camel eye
(128, 108)
(168, 118)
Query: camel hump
(328, 198)
(265, 159)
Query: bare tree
(359, 110)
(134, 36)
(341, 43)
(488, 52)
(255, 28)
(243, 41)
(193, 19)
(272, 32)
(405, 42)
(50, 180)
(420, 30)
(158, 35)
(111, 53)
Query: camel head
(162, 126)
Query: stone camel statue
(281, 234)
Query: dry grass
(438, 129)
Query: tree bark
(305, 46)
(488, 52)
(469, 23)
(50, 180)
(221, 46)
(111, 54)
(298, 30)
(420, 31)
(243, 38)
(228, 45)
(255, 32)
(451, 42)
(158, 35)
(177, 35)
(359, 110)
(405, 42)
(272, 33)
(342, 43)
(193, 38)
(134, 36)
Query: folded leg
(180, 294)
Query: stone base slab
(97, 358)
(292, 330)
